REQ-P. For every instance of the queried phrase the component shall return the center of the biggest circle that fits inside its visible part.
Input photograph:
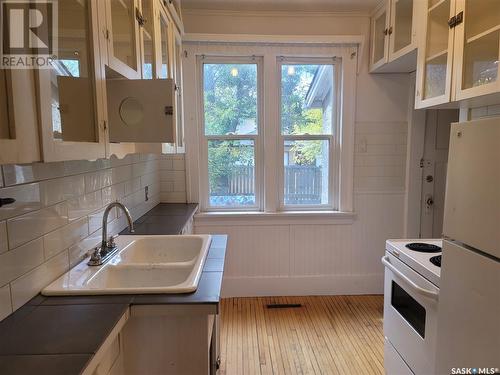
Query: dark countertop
(166, 218)
(60, 335)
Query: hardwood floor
(327, 335)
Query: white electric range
(411, 294)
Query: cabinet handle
(390, 30)
(385, 31)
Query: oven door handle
(425, 292)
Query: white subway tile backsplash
(173, 178)
(98, 180)
(132, 186)
(167, 164)
(4, 245)
(17, 262)
(26, 199)
(95, 219)
(52, 191)
(27, 286)
(174, 197)
(74, 186)
(22, 229)
(62, 238)
(73, 167)
(84, 205)
(121, 174)
(15, 174)
(80, 250)
(167, 186)
(180, 185)
(178, 164)
(5, 302)
(57, 206)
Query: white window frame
(332, 138)
(256, 138)
(269, 47)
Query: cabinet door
(140, 110)
(164, 65)
(70, 92)
(402, 36)
(435, 54)
(148, 43)
(19, 142)
(379, 38)
(123, 37)
(179, 103)
(477, 48)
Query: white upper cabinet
(179, 102)
(70, 103)
(435, 55)
(458, 57)
(477, 51)
(148, 39)
(394, 37)
(123, 18)
(19, 141)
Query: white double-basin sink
(142, 265)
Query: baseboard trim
(260, 286)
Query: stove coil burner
(436, 260)
(423, 247)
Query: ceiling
(363, 6)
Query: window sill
(276, 218)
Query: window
(231, 131)
(307, 124)
(275, 125)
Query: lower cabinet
(162, 339)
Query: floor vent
(283, 305)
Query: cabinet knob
(385, 31)
(390, 30)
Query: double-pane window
(231, 129)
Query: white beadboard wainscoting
(269, 259)
(57, 216)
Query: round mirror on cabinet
(131, 111)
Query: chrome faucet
(108, 247)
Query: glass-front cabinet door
(147, 29)
(380, 38)
(19, 142)
(434, 65)
(179, 120)
(70, 96)
(401, 31)
(122, 19)
(477, 51)
(164, 65)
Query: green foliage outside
(230, 99)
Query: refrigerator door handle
(425, 292)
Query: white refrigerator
(468, 333)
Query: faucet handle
(111, 242)
(96, 254)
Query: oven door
(410, 315)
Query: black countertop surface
(166, 218)
(60, 335)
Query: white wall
(291, 257)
